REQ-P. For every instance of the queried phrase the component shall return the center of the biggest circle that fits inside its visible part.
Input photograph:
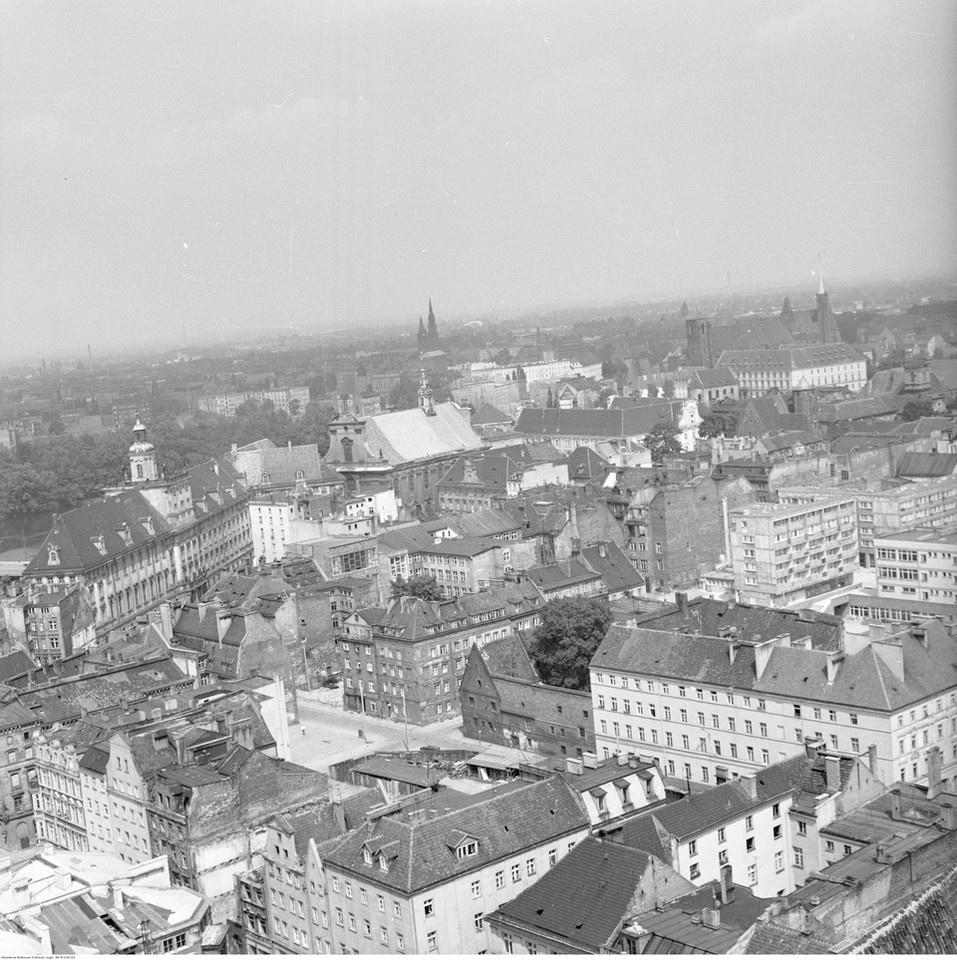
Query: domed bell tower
(142, 456)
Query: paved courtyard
(333, 735)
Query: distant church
(812, 326)
(428, 336)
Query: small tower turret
(425, 396)
(142, 456)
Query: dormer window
(53, 555)
(367, 855)
(100, 543)
(467, 849)
(383, 863)
(265, 478)
(147, 523)
(300, 475)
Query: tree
(652, 390)
(421, 585)
(662, 442)
(668, 389)
(404, 395)
(718, 424)
(566, 640)
(915, 409)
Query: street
(333, 735)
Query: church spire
(820, 275)
(433, 332)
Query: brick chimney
(895, 804)
(727, 884)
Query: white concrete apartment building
(919, 563)
(271, 521)
(710, 709)
(404, 883)
(785, 553)
(796, 368)
(889, 506)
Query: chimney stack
(872, 758)
(895, 804)
(590, 760)
(223, 622)
(834, 660)
(711, 917)
(750, 783)
(727, 884)
(832, 767)
(934, 786)
(812, 747)
(949, 812)
(681, 599)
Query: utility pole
(305, 663)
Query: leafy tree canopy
(718, 425)
(662, 442)
(566, 640)
(915, 409)
(419, 585)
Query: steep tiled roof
(863, 679)
(487, 415)
(411, 435)
(926, 925)
(15, 664)
(585, 897)
(707, 616)
(747, 334)
(508, 658)
(77, 534)
(553, 576)
(705, 811)
(421, 855)
(677, 927)
(927, 465)
(632, 421)
(614, 568)
(585, 464)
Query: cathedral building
(812, 326)
(407, 450)
(428, 337)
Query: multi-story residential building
(209, 817)
(291, 400)
(59, 809)
(153, 540)
(796, 368)
(68, 903)
(675, 531)
(504, 701)
(407, 884)
(710, 708)
(489, 480)
(889, 505)
(406, 660)
(918, 563)
(270, 520)
(51, 624)
(782, 553)
(580, 905)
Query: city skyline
(321, 166)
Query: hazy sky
(156, 158)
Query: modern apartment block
(890, 505)
(919, 563)
(783, 553)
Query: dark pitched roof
(488, 415)
(419, 854)
(15, 664)
(927, 465)
(585, 897)
(98, 531)
(707, 616)
(609, 561)
(863, 679)
(610, 424)
(508, 658)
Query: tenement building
(712, 708)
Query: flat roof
(919, 535)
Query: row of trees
(62, 471)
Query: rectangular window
(798, 857)
(516, 872)
(530, 867)
(499, 879)
(477, 922)
(778, 861)
(429, 907)
(476, 889)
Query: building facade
(781, 553)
